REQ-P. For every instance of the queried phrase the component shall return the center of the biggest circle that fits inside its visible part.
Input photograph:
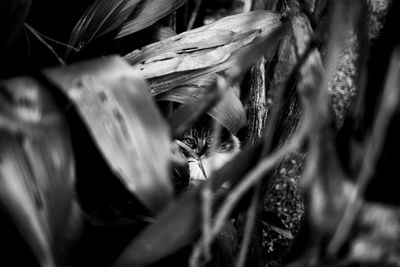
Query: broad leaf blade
(124, 122)
(147, 13)
(36, 168)
(179, 224)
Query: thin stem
(51, 39)
(34, 32)
(193, 17)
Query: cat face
(201, 141)
(206, 153)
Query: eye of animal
(209, 140)
(190, 142)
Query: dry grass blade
(102, 17)
(37, 172)
(124, 122)
(147, 13)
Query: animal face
(207, 152)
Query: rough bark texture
(257, 104)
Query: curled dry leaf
(37, 172)
(201, 51)
(115, 104)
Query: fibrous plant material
(208, 49)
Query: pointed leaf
(36, 168)
(147, 13)
(115, 104)
(102, 17)
(179, 224)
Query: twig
(51, 39)
(34, 32)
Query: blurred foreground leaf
(115, 104)
(37, 172)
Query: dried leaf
(124, 122)
(179, 224)
(37, 172)
(147, 13)
(201, 51)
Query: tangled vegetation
(95, 94)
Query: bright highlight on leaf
(205, 50)
(115, 104)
